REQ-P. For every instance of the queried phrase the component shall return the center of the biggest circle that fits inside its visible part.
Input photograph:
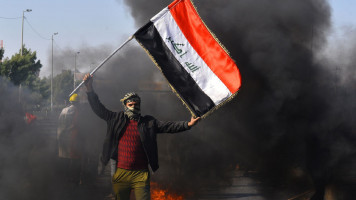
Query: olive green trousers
(125, 180)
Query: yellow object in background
(74, 97)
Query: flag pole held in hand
(102, 63)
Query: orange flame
(158, 193)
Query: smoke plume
(290, 115)
(294, 112)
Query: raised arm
(98, 108)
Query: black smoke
(29, 164)
(292, 120)
(20, 143)
(30, 167)
(291, 115)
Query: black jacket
(148, 127)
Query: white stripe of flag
(190, 60)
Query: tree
(24, 69)
(42, 86)
(62, 86)
(2, 51)
(21, 69)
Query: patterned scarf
(132, 113)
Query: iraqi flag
(196, 65)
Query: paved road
(242, 188)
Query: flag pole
(102, 63)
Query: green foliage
(25, 70)
(62, 86)
(21, 69)
(43, 87)
(2, 51)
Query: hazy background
(292, 121)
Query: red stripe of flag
(211, 52)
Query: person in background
(69, 139)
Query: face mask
(133, 113)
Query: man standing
(69, 139)
(131, 140)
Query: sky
(343, 12)
(90, 23)
(78, 23)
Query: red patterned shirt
(131, 154)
